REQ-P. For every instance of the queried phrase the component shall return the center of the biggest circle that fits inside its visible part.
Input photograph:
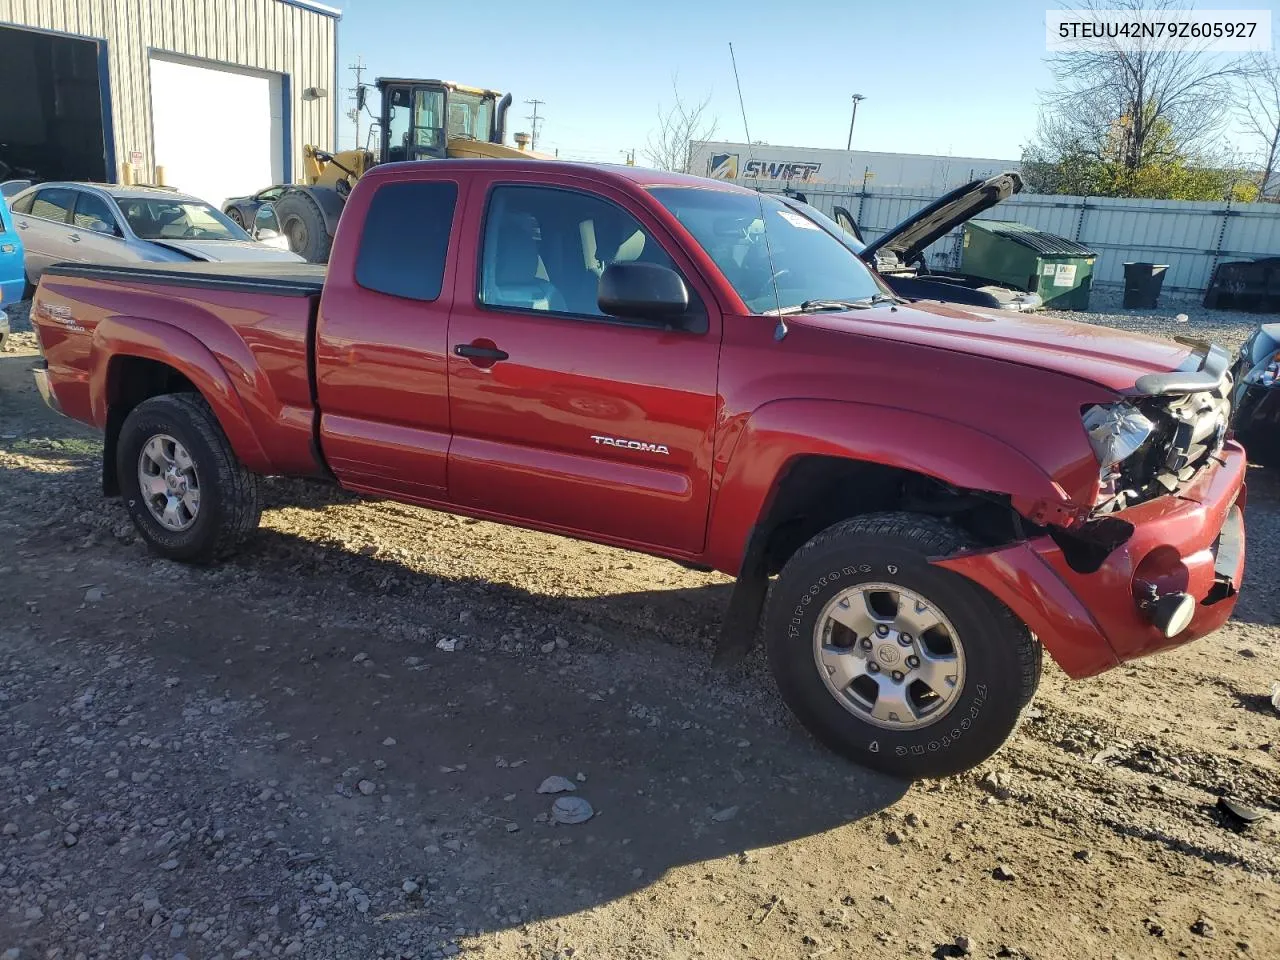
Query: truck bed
(268, 277)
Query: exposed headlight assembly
(1116, 431)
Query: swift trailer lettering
(728, 166)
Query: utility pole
(534, 120)
(857, 98)
(358, 69)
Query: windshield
(177, 220)
(470, 115)
(802, 260)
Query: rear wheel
(188, 495)
(236, 217)
(891, 661)
(303, 224)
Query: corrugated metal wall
(1191, 237)
(269, 35)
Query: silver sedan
(107, 223)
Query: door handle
(22, 225)
(74, 238)
(477, 352)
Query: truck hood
(1111, 358)
(942, 216)
(228, 250)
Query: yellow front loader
(419, 120)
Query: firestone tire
(180, 430)
(866, 559)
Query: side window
(545, 249)
(24, 205)
(53, 204)
(406, 239)
(92, 213)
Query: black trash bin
(1142, 283)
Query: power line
(358, 69)
(534, 120)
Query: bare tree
(670, 145)
(1260, 116)
(1131, 107)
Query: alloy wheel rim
(889, 656)
(169, 483)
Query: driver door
(96, 236)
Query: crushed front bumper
(1192, 543)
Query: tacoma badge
(632, 445)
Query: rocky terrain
(332, 747)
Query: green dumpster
(1022, 257)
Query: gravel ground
(332, 748)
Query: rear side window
(54, 204)
(406, 239)
(92, 213)
(23, 205)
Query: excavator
(419, 120)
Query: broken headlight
(1116, 431)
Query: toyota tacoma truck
(912, 499)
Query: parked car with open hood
(115, 224)
(898, 255)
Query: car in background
(117, 224)
(898, 255)
(244, 210)
(1255, 398)
(12, 282)
(11, 188)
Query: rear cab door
(563, 417)
(381, 336)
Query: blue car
(13, 279)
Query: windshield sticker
(793, 218)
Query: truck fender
(120, 336)
(760, 447)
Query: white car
(110, 223)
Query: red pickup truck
(678, 366)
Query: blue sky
(940, 76)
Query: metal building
(217, 97)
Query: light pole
(857, 98)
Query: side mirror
(100, 226)
(266, 234)
(642, 291)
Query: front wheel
(891, 661)
(186, 491)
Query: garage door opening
(218, 130)
(51, 113)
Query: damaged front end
(1155, 442)
(1158, 559)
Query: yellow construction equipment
(419, 120)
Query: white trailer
(759, 165)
